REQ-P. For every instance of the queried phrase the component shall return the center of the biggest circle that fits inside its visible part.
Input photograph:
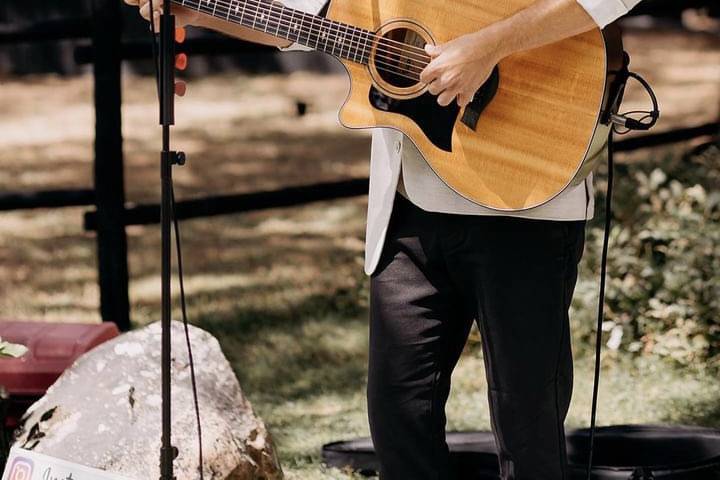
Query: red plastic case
(53, 347)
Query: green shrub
(663, 292)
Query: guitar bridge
(481, 100)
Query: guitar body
(531, 133)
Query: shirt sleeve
(605, 12)
(307, 6)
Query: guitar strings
(268, 7)
(412, 74)
(354, 38)
(286, 21)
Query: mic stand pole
(168, 158)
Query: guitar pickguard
(436, 122)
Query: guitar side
(533, 137)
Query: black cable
(601, 299)
(649, 117)
(619, 124)
(654, 115)
(183, 307)
(178, 248)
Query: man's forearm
(459, 67)
(542, 23)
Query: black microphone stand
(168, 158)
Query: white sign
(27, 465)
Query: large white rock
(104, 412)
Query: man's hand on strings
(183, 15)
(460, 67)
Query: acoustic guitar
(535, 128)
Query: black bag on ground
(621, 452)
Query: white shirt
(604, 12)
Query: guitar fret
(310, 30)
(228, 7)
(290, 24)
(259, 15)
(302, 27)
(335, 39)
(346, 41)
(242, 14)
(364, 56)
(364, 51)
(327, 37)
(207, 7)
(343, 39)
(299, 27)
(332, 38)
(254, 19)
(268, 16)
(321, 32)
(264, 18)
(356, 44)
(351, 44)
(280, 16)
(279, 30)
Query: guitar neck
(318, 33)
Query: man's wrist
(494, 41)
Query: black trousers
(438, 273)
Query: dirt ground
(296, 271)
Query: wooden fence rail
(238, 203)
(46, 30)
(46, 199)
(139, 49)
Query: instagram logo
(21, 469)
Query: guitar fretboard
(338, 39)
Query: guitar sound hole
(399, 58)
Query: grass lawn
(295, 330)
(305, 375)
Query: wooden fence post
(108, 168)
